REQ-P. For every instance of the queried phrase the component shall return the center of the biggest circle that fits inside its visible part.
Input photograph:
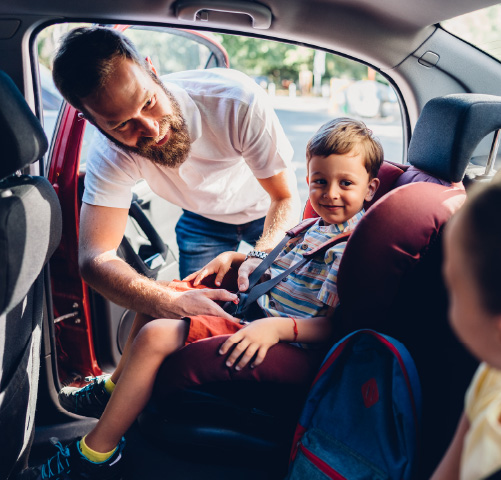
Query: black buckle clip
(237, 310)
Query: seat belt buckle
(237, 309)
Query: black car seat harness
(247, 308)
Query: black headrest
(448, 131)
(22, 139)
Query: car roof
(414, 14)
(382, 33)
(391, 36)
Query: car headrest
(22, 138)
(448, 131)
(391, 238)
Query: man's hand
(254, 340)
(220, 266)
(201, 302)
(245, 270)
(101, 231)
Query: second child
(471, 269)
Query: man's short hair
(342, 135)
(86, 58)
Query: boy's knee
(157, 334)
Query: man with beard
(206, 140)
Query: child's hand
(244, 272)
(220, 266)
(253, 340)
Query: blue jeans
(200, 239)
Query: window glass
(480, 28)
(307, 87)
(172, 50)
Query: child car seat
(397, 262)
(389, 280)
(30, 229)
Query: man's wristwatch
(256, 254)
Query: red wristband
(295, 329)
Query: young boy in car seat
(472, 269)
(343, 160)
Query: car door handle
(193, 10)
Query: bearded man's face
(136, 112)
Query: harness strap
(255, 290)
(256, 275)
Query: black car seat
(389, 279)
(30, 229)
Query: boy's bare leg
(146, 353)
(140, 321)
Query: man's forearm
(120, 283)
(282, 215)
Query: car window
(173, 50)
(307, 87)
(170, 50)
(480, 28)
(51, 101)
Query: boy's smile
(339, 185)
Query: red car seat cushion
(389, 241)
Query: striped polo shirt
(310, 290)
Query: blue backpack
(362, 415)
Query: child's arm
(449, 467)
(256, 338)
(220, 266)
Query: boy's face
(477, 329)
(339, 185)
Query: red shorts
(204, 326)
(199, 361)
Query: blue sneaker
(70, 464)
(88, 401)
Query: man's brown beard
(175, 151)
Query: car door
(97, 344)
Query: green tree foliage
(282, 62)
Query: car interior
(55, 330)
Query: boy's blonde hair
(342, 135)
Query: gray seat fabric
(448, 131)
(30, 230)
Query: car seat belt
(255, 290)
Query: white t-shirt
(236, 137)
